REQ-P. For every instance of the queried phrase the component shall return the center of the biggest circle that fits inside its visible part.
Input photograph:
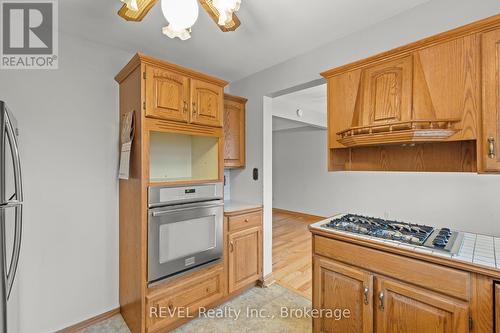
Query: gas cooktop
(442, 239)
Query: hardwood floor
(292, 262)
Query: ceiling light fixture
(181, 16)
(226, 8)
(131, 4)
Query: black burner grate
(376, 227)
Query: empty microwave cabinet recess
(427, 106)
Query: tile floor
(269, 300)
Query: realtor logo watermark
(29, 37)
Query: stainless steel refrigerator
(11, 208)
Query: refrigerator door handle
(11, 273)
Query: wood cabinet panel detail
(167, 95)
(489, 142)
(207, 102)
(341, 287)
(404, 308)
(245, 257)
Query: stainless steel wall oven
(185, 229)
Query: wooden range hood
(414, 108)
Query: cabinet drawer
(182, 301)
(245, 221)
(438, 278)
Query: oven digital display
(190, 191)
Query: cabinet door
(490, 153)
(338, 287)
(497, 308)
(387, 92)
(405, 308)
(245, 257)
(207, 103)
(167, 95)
(234, 134)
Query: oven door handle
(165, 212)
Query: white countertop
(231, 206)
(476, 249)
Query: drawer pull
(491, 147)
(381, 298)
(246, 220)
(231, 246)
(365, 294)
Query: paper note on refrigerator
(126, 139)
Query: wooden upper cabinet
(447, 85)
(338, 286)
(167, 95)
(207, 103)
(387, 93)
(497, 308)
(234, 131)
(398, 110)
(245, 257)
(490, 138)
(404, 308)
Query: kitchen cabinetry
(170, 147)
(167, 94)
(432, 105)
(179, 94)
(387, 90)
(244, 242)
(234, 131)
(497, 307)
(388, 289)
(405, 308)
(342, 287)
(207, 103)
(395, 306)
(184, 297)
(490, 139)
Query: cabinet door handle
(194, 108)
(491, 147)
(231, 246)
(185, 107)
(365, 294)
(381, 299)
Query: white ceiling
(272, 31)
(282, 124)
(309, 99)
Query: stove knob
(446, 229)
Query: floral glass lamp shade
(226, 8)
(181, 16)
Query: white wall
(425, 20)
(301, 183)
(68, 121)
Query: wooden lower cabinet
(340, 287)
(379, 304)
(405, 308)
(180, 301)
(497, 308)
(243, 248)
(245, 257)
